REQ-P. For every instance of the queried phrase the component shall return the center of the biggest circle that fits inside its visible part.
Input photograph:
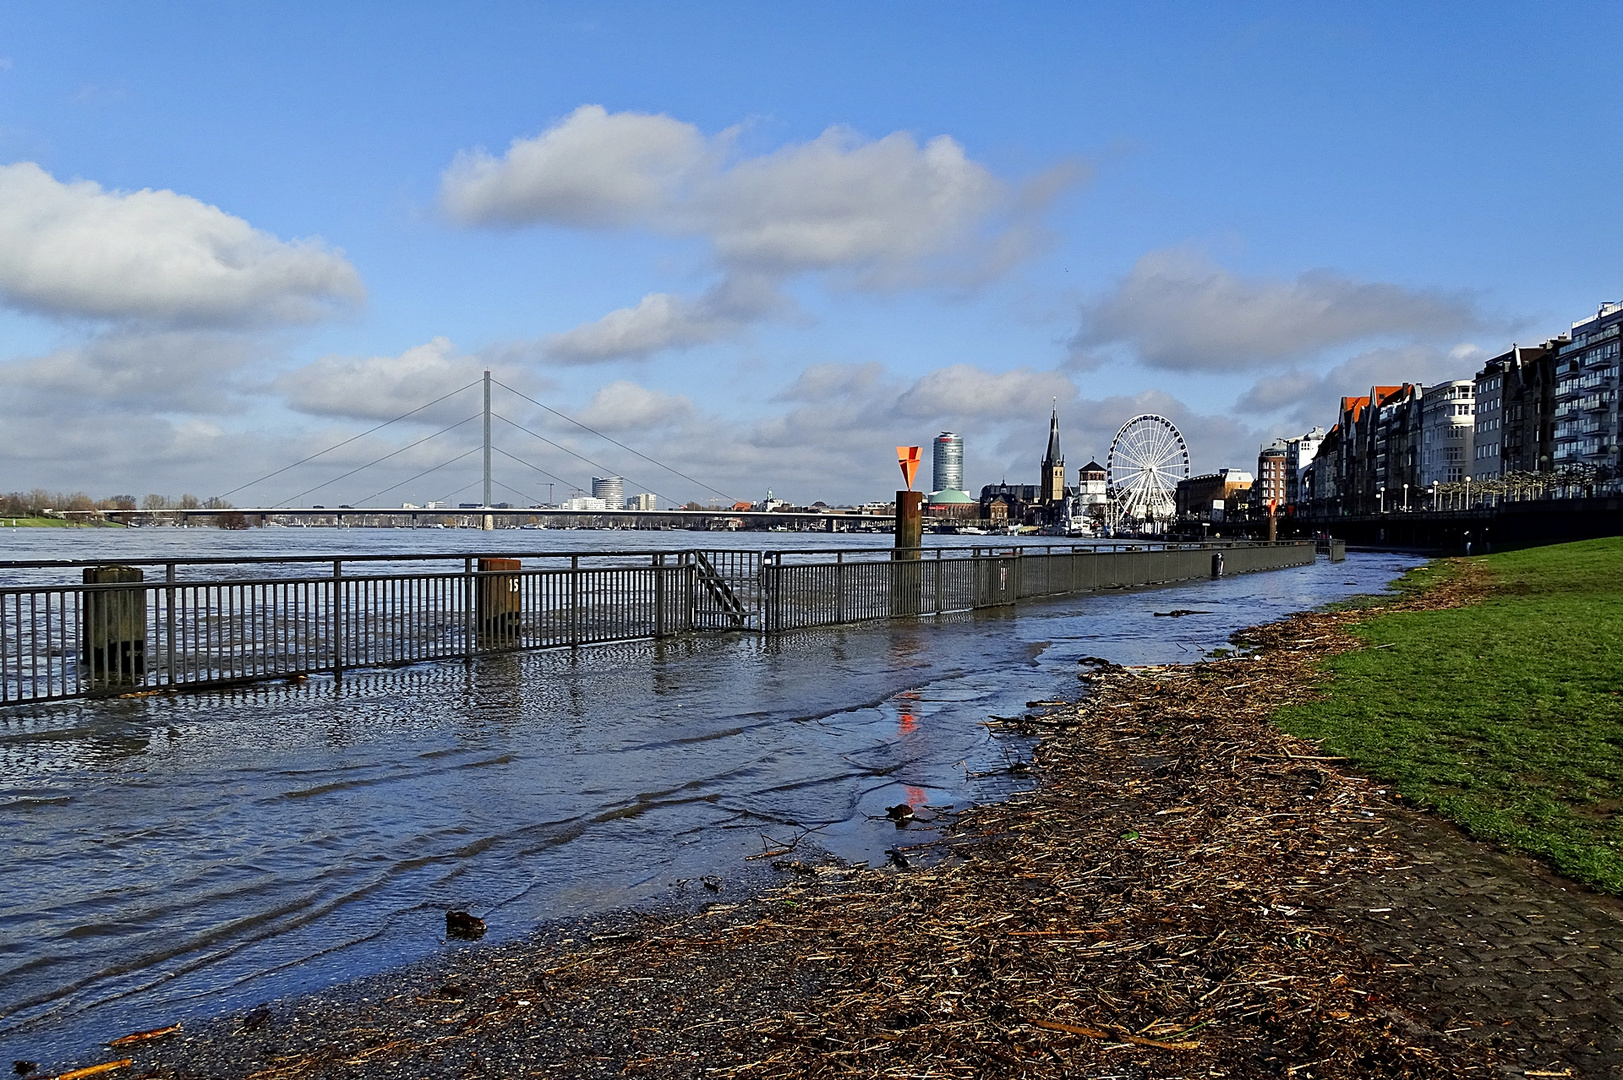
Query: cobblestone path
(1529, 961)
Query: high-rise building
(949, 462)
(1586, 392)
(611, 489)
(1051, 488)
(645, 501)
(1269, 486)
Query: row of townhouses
(1545, 412)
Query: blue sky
(766, 243)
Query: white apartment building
(1447, 425)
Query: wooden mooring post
(500, 603)
(906, 574)
(113, 629)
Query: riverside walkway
(157, 625)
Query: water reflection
(166, 857)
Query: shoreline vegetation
(1183, 894)
(1504, 716)
(55, 523)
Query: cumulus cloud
(664, 321)
(74, 249)
(593, 169)
(383, 387)
(168, 371)
(1179, 311)
(820, 383)
(966, 391)
(881, 213)
(625, 406)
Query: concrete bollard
(113, 630)
(499, 608)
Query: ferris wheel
(1147, 459)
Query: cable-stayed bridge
(380, 507)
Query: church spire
(1053, 436)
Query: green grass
(49, 523)
(1505, 715)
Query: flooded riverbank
(181, 857)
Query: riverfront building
(1586, 394)
(1269, 486)
(1213, 496)
(1448, 428)
(949, 462)
(949, 498)
(1545, 410)
(611, 489)
(1299, 454)
(1515, 414)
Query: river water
(167, 858)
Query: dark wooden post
(114, 629)
(905, 577)
(499, 603)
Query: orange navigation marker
(908, 458)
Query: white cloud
(169, 371)
(593, 169)
(963, 391)
(74, 249)
(1179, 311)
(625, 406)
(664, 321)
(878, 213)
(383, 387)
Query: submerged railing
(211, 622)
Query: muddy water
(169, 858)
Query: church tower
(1051, 489)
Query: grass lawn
(53, 523)
(1503, 715)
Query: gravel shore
(1168, 901)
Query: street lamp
(1468, 493)
(1434, 496)
(1405, 498)
(1380, 500)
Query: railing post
(574, 601)
(469, 629)
(337, 619)
(938, 568)
(659, 596)
(839, 586)
(169, 620)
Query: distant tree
(190, 502)
(155, 502)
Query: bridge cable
(385, 457)
(596, 464)
(346, 442)
(422, 474)
(551, 476)
(521, 494)
(616, 442)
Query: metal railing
(212, 622)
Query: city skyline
(230, 239)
